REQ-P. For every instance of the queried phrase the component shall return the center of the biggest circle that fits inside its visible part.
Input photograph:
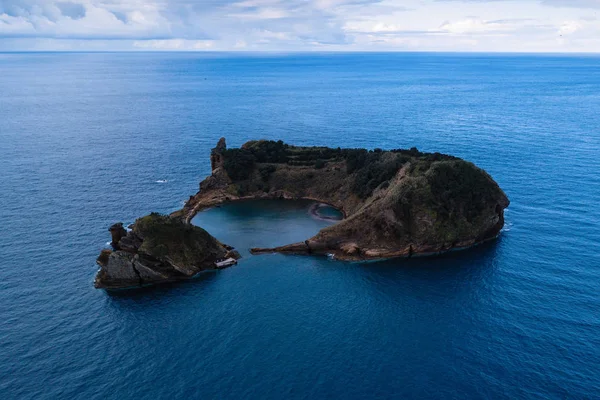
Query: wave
(507, 226)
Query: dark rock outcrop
(396, 203)
(216, 156)
(158, 249)
(117, 232)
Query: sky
(301, 25)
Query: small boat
(226, 263)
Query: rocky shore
(158, 249)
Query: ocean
(89, 139)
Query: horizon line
(195, 51)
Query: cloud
(72, 10)
(573, 3)
(82, 20)
(477, 26)
(174, 44)
(261, 14)
(570, 27)
(470, 26)
(592, 4)
(463, 25)
(266, 21)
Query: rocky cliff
(396, 203)
(157, 249)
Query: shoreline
(314, 212)
(221, 200)
(341, 256)
(303, 248)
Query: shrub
(355, 159)
(239, 163)
(460, 185)
(376, 171)
(266, 171)
(268, 151)
(182, 243)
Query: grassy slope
(170, 239)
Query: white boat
(226, 263)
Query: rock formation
(158, 249)
(216, 155)
(117, 232)
(396, 203)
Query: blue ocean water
(90, 139)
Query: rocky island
(395, 203)
(158, 249)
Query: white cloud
(95, 20)
(461, 25)
(569, 27)
(173, 44)
(261, 14)
(470, 26)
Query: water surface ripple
(84, 138)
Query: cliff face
(157, 249)
(396, 203)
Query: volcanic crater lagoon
(266, 223)
(87, 140)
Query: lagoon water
(90, 139)
(265, 223)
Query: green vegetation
(170, 238)
(370, 168)
(460, 185)
(239, 163)
(355, 159)
(266, 171)
(377, 169)
(268, 151)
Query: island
(395, 203)
(159, 249)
